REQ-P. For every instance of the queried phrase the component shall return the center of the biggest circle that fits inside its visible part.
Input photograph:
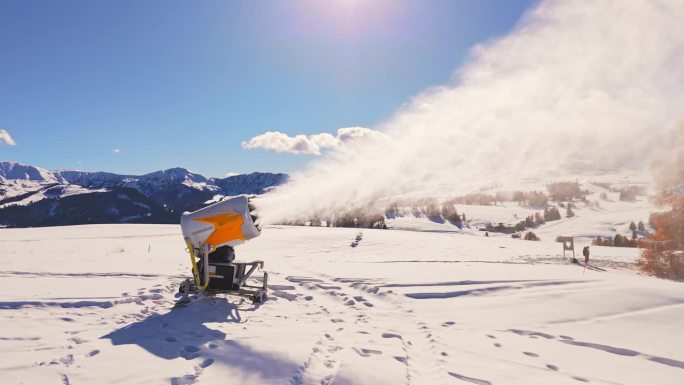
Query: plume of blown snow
(576, 87)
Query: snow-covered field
(93, 305)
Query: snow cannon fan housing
(226, 223)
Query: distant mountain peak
(14, 170)
(36, 192)
(176, 173)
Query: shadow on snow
(183, 332)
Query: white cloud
(280, 142)
(311, 144)
(6, 138)
(232, 173)
(116, 150)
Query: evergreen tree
(529, 221)
(569, 213)
(598, 241)
(553, 214)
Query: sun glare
(348, 19)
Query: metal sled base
(224, 278)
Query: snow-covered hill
(93, 305)
(32, 196)
(602, 213)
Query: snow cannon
(211, 233)
(226, 223)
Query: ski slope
(93, 305)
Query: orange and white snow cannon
(211, 233)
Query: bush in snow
(450, 213)
(630, 193)
(432, 209)
(664, 255)
(599, 241)
(564, 191)
(475, 199)
(530, 236)
(537, 199)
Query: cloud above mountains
(309, 144)
(6, 138)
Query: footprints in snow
(206, 363)
(189, 352)
(532, 354)
(351, 301)
(322, 364)
(367, 352)
(331, 289)
(496, 344)
(417, 355)
(135, 305)
(358, 239)
(324, 360)
(605, 348)
(69, 359)
(392, 335)
(471, 380)
(418, 351)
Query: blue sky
(183, 83)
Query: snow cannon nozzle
(253, 213)
(226, 223)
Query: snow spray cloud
(578, 86)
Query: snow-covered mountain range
(33, 196)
